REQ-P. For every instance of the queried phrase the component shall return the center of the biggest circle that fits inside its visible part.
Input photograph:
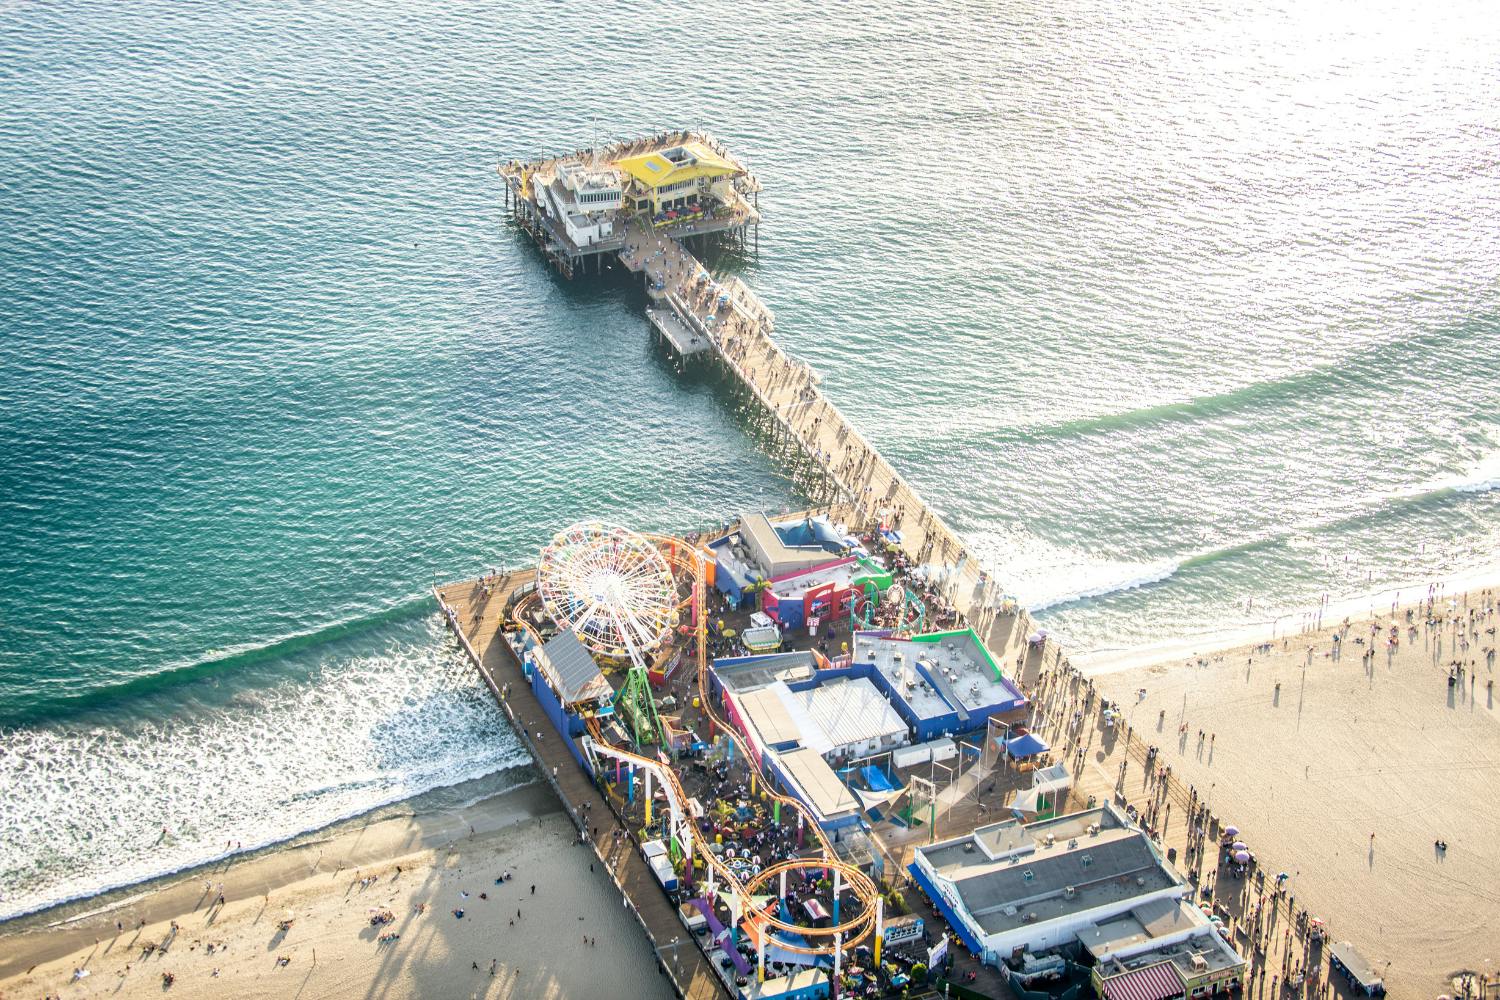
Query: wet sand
(332, 950)
(1349, 745)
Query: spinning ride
(575, 589)
(614, 590)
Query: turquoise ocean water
(1167, 307)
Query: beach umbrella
(1243, 857)
(1240, 845)
(1233, 831)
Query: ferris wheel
(611, 586)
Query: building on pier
(584, 198)
(577, 207)
(803, 569)
(679, 180)
(823, 593)
(941, 683)
(1089, 888)
(1161, 951)
(797, 717)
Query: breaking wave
(104, 806)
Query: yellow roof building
(688, 162)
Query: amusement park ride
(898, 609)
(613, 588)
(617, 590)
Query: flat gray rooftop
(1009, 875)
(963, 672)
(1154, 919)
(896, 659)
(1207, 946)
(766, 670)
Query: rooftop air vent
(1072, 843)
(1028, 875)
(1087, 860)
(1140, 880)
(1070, 891)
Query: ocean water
(1184, 315)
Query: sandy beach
(1344, 762)
(422, 868)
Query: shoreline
(423, 824)
(425, 801)
(1307, 620)
(407, 825)
(1353, 766)
(471, 901)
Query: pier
(475, 611)
(717, 320)
(573, 206)
(698, 316)
(652, 228)
(479, 611)
(826, 457)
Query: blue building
(941, 683)
(760, 549)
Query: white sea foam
(1481, 477)
(87, 807)
(1282, 623)
(1097, 580)
(1041, 575)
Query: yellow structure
(673, 179)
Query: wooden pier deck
(733, 219)
(684, 342)
(475, 612)
(742, 335)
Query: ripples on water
(1165, 307)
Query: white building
(848, 717)
(797, 732)
(1160, 951)
(1012, 887)
(584, 199)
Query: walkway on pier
(476, 611)
(741, 332)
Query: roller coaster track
(687, 559)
